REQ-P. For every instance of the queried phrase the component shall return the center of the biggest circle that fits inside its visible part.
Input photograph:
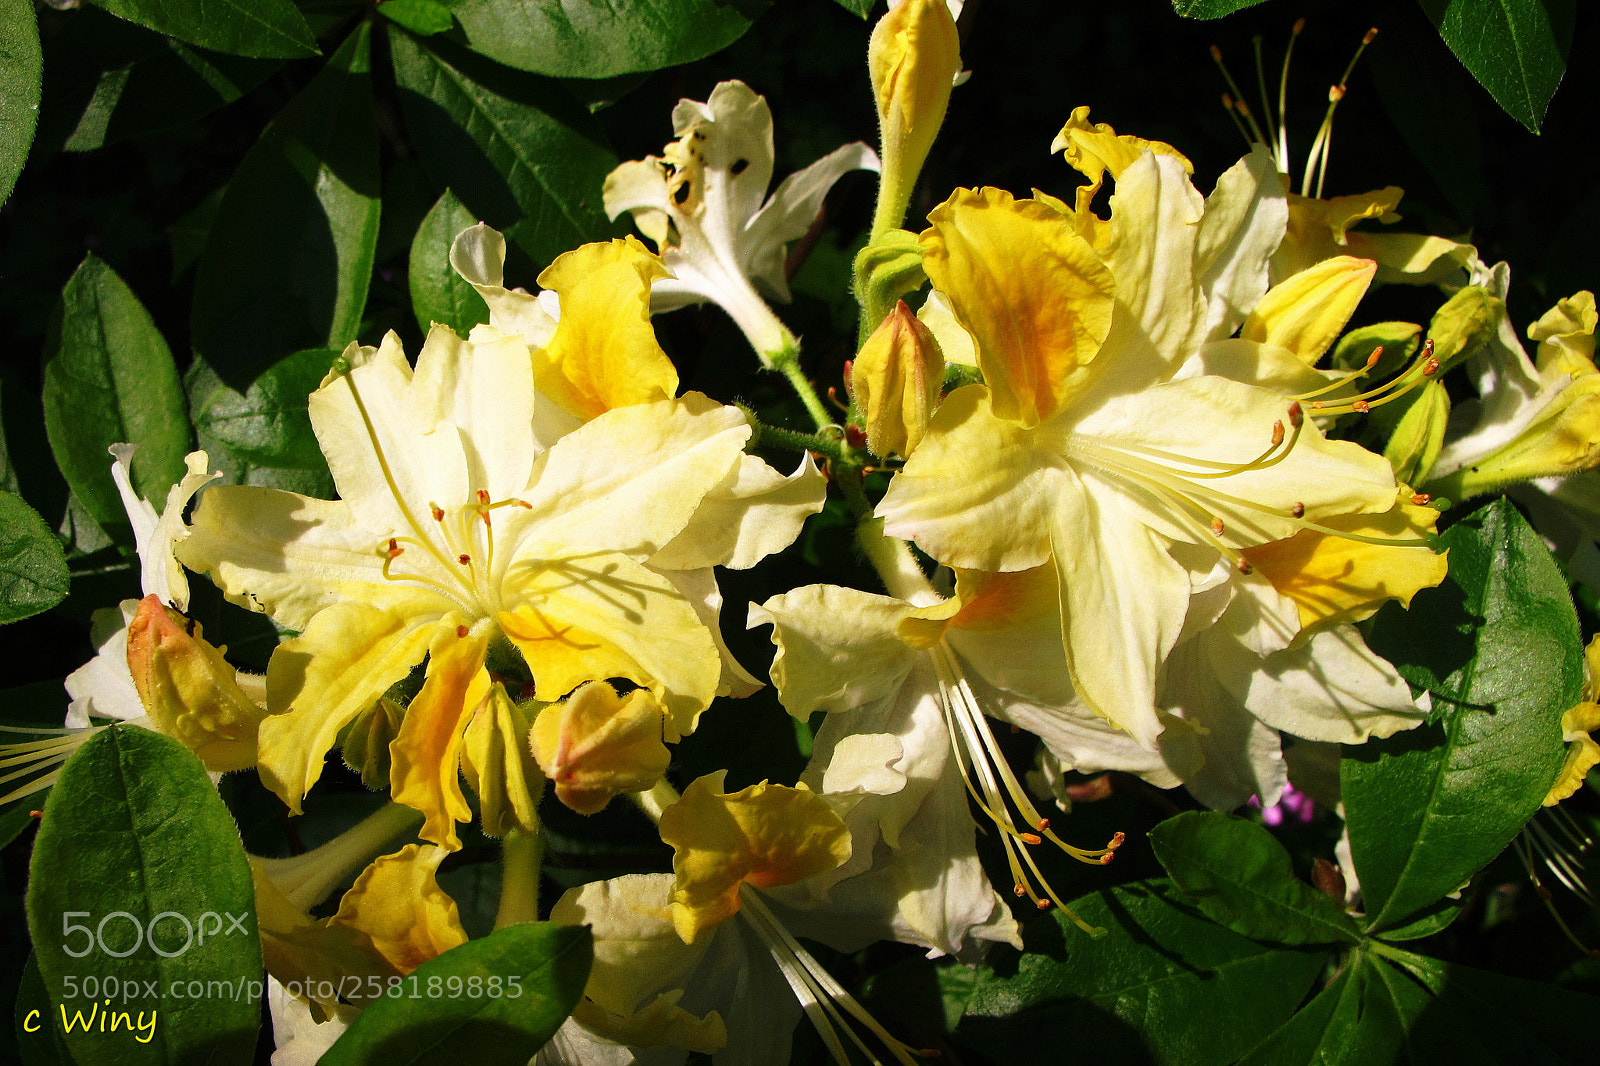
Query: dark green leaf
(857, 7)
(268, 424)
(273, 423)
(1238, 874)
(549, 963)
(1210, 9)
(1429, 920)
(289, 256)
(109, 379)
(597, 38)
(21, 68)
(1497, 646)
(33, 570)
(266, 29)
(437, 292)
(1464, 1016)
(187, 236)
(38, 1033)
(137, 855)
(111, 80)
(1517, 49)
(1352, 1021)
(1152, 989)
(425, 17)
(511, 146)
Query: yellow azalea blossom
(895, 381)
(1321, 229)
(459, 538)
(596, 744)
(1083, 447)
(765, 835)
(913, 56)
(1577, 723)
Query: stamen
(464, 559)
(1255, 135)
(438, 512)
(1423, 367)
(1298, 510)
(1217, 527)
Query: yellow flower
(1580, 720)
(459, 538)
(913, 57)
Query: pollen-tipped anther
(1361, 407)
(1030, 838)
(1372, 360)
(1277, 434)
(437, 512)
(1296, 414)
(1298, 510)
(1216, 527)
(394, 551)
(1420, 498)
(464, 559)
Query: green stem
(777, 437)
(520, 856)
(787, 362)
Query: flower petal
(755, 512)
(320, 680)
(1243, 225)
(478, 254)
(484, 387)
(837, 648)
(1033, 294)
(398, 904)
(424, 772)
(1306, 312)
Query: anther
(1296, 415)
(1360, 407)
(1430, 367)
(437, 511)
(1043, 904)
(1019, 889)
(395, 551)
(1299, 27)
(1044, 823)
(1298, 510)
(1216, 53)
(1420, 499)
(1370, 35)
(1105, 860)
(1030, 838)
(483, 497)
(1277, 434)
(1372, 360)
(1245, 567)
(461, 631)
(1116, 840)
(464, 559)
(1216, 527)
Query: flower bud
(189, 690)
(365, 746)
(913, 58)
(595, 744)
(896, 379)
(499, 766)
(1563, 438)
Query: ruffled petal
(753, 513)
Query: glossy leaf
(1210, 9)
(138, 872)
(597, 38)
(1497, 646)
(109, 378)
(38, 1035)
(512, 147)
(269, 424)
(266, 29)
(1239, 875)
(550, 964)
(1517, 49)
(21, 71)
(857, 7)
(1429, 920)
(1153, 988)
(1352, 1021)
(112, 80)
(425, 17)
(289, 256)
(33, 570)
(438, 294)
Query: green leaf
(549, 963)
(515, 150)
(109, 378)
(288, 260)
(112, 80)
(269, 423)
(38, 1034)
(265, 29)
(857, 7)
(598, 38)
(1517, 49)
(1239, 875)
(1352, 1020)
(425, 17)
(33, 570)
(1497, 646)
(1429, 920)
(438, 293)
(1210, 9)
(21, 73)
(1153, 988)
(138, 874)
